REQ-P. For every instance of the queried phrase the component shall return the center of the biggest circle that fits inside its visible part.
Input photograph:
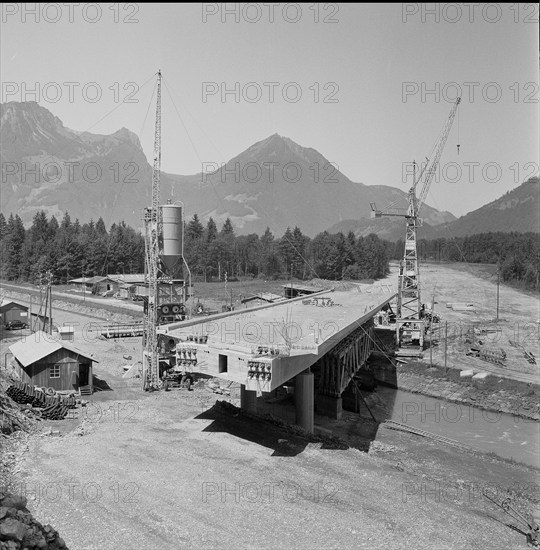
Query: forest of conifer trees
(69, 250)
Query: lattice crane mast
(150, 375)
(409, 321)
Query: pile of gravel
(18, 529)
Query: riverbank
(492, 393)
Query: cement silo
(172, 240)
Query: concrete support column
(304, 400)
(330, 406)
(248, 399)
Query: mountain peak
(284, 148)
(289, 184)
(29, 113)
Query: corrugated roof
(11, 302)
(130, 278)
(39, 345)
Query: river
(504, 434)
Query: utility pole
(445, 341)
(226, 297)
(431, 331)
(498, 283)
(50, 304)
(292, 266)
(49, 289)
(35, 326)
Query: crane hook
(458, 149)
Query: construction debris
(527, 354)
(497, 356)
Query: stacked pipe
(55, 406)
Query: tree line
(210, 253)
(69, 249)
(516, 254)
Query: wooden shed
(96, 285)
(13, 311)
(44, 362)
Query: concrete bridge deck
(265, 346)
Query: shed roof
(89, 280)
(12, 303)
(129, 278)
(39, 345)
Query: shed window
(54, 371)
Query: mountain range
(517, 210)
(275, 183)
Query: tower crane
(167, 292)
(150, 374)
(409, 318)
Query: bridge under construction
(262, 348)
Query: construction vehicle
(410, 321)
(167, 291)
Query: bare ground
(518, 322)
(162, 471)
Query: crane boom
(150, 375)
(431, 167)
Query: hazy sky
(362, 71)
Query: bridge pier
(330, 406)
(304, 400)
(248, 399)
